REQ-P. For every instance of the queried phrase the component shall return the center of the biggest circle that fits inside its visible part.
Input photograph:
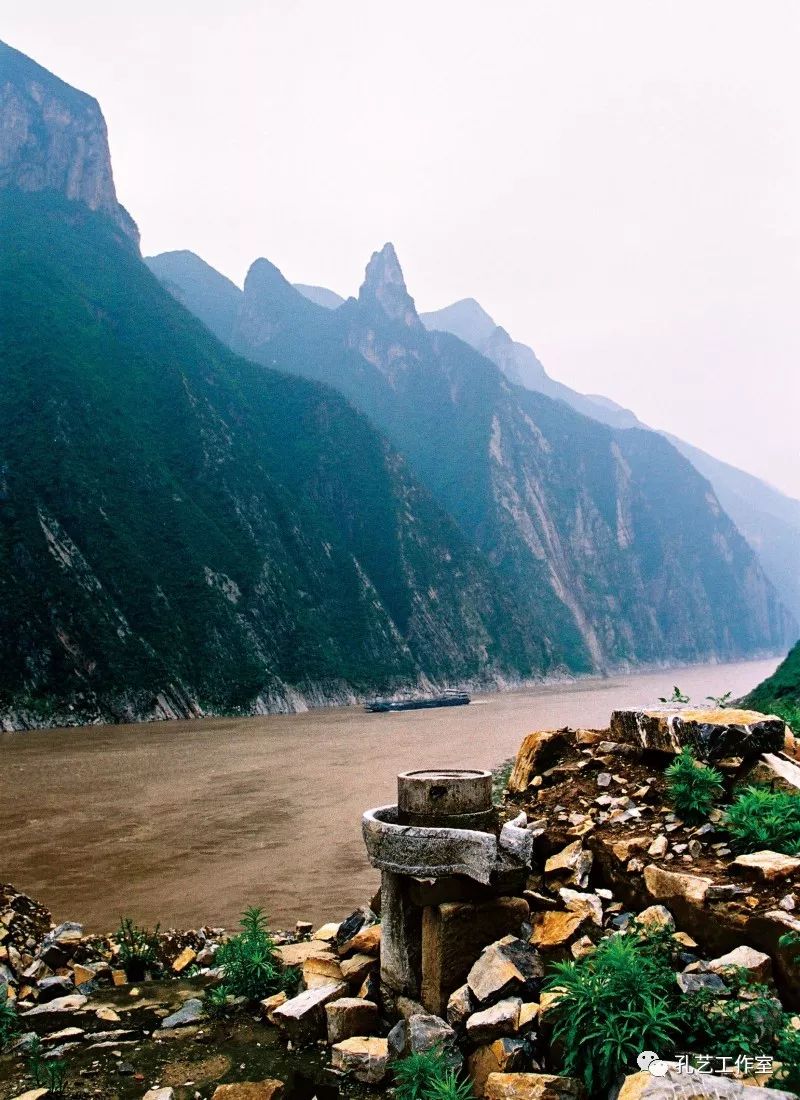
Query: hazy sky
(617, 182)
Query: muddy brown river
(186, 823)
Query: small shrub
(447, 1086)
(763, 819)
(720, 701)
(789, 712)
(692, 787)
(676, 697)
(138, 949)
(614, 1003)
(417, 1074)
(500, 777)
(47, 1073)
(215, 1001)
(747, 1021)
(9, 1023)
(252, 969)
(787, 1052)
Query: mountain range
(225, 501)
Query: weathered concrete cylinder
(445, 798)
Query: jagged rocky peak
(384, 285)
(53, 137)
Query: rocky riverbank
(509, 974)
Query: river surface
(186, 823)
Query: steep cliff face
(53, 138)
(616, 549)
(182, 531)
(769, 520)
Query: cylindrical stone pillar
(445, 798)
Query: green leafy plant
(447, 1086)
(9, 1023)
(215, 1001)
(760, 818)
(613, 1004)
(676, 697)
(692, 787)
(500, 777)
(748, 1020)
(787, 1053)
(48, 1073)
(248, 959)
(418, 1074)
(138, 949)
(720, 700)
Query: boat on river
(420, 702)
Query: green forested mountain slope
(617, 550)
(781, 691)
(175, 520)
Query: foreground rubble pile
(457, 952)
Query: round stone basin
(437, 852)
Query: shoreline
(314, 698)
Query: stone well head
(448, 798)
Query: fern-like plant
(760, 818)
(613, 1004)
(692, 787)
(748, 1020)
(138, 949)
(249, 962)
(9, 1023)
(417, 1073)
(448, 1086)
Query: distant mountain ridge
(617, 550)
(769, 520)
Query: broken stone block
(756, 963)
(571, 865)
(60, 1004)
(269, 1089)
(657, 916)
(366, 1058)
(322, 968)
(295, 954)
(186, 958)
(151, 1094)
(420, 1033)
(50, 988)
(269, 1004)
(532, 1086)
(694, 1086)
(303, 1017)
(454, 934)
(349, 1016)
(367, 941)
(501, 1056)
(357, 968)
(556, 929)
(711, 734)
(671, 886)
(502, 1019)
(189, 1013)
(776, 771)
(579, 902)
(694, 982)
(767, 866)
(506, 968)
(460, 1005)
(327, 933)
(539, 751)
